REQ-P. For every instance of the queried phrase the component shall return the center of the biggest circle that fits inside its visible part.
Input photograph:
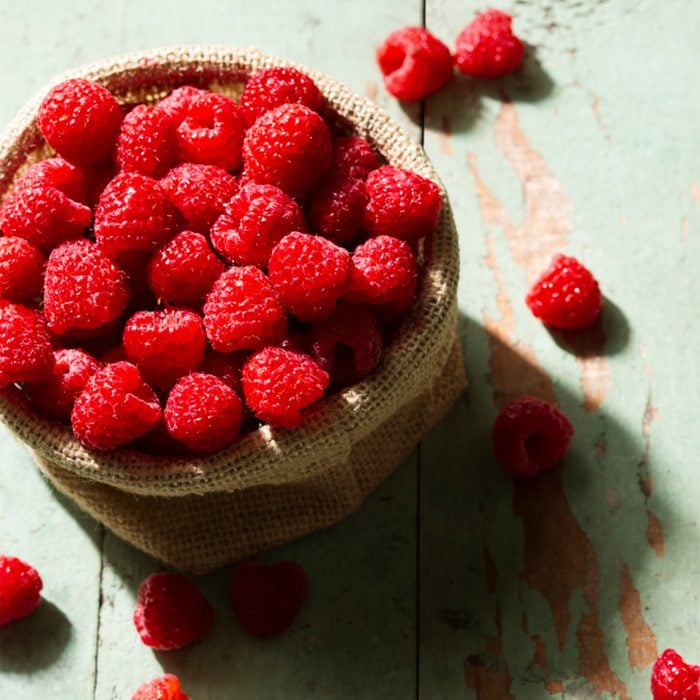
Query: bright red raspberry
(115, 407)
(274, 87)
(242, 311)
(70, 179)
(164, 345)
(21, 269)
(566, 295)
(530, 436)
(256, 219)
(309, 273)
(674, 679)
(279, 384)
(80, 120)
(414, 62)
(20, 589)
(166, 687)
(171, 612)
(84, 291)
(203, 412)
(178, 102)
(401, 204)
(146, 142)
(289, 147)
(487, 48)
(267, 597)
(352, 157)
(226, 366)
(337, 207)
(199, 192)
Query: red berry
(352, 157)
(80, 120)
(267, 597)
(70, 179)
(21, 269)
(566, 295)
(166, 687)
(674, 679)
(337, 207)
(20, 589)
(171, 612)
(487, 48)
(414, 62)
(179, 101)
(530, 436)
(226, 366)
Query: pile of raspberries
(184, 270)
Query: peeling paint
(642, 649)
(596, 376)
(554, 687)
(695, 193)
(489, 678)
(655, 534)
(371, 90)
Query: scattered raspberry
(242, 311)
(278, 384)
(288, 147)
(309, 273)
(674, 679)
(226, 366)
(267, 597)
(566, 295)
(530, 436)
(115, 407)
(178, 102)
(80, 120)
(415, 63)
(352, 157)
(20, 589)
(171, 612)
(203, 412)
(401, 204)
(487, 48)
(166, 687)
(337, 207)
(21, 269)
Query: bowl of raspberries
(227, 297)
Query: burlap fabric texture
(273, 485)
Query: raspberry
(84, 291)
(348, 344)
(267, 597)
(566, 295)
(274, 87)
(309, 273)
(487, 48)
(166, 687)
(278, 384)
(199, 193)
(674, 679)
(70, 179)
(133, 214)
(203, 412)
(184, 269)
(242, 311)
(256, 219)
(20, 589)
(288, 147)
(115, 407)
(21, 269)
(164, 345)
(401, 204)
(530, 436)
(146, 142)
(337, 207)
(227, 367)
(178, 102)
(415, 63)
(171, 612)
(352, 157)
(80, 120)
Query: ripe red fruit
(352, 157)
(179, 102)
(226, 366)
(166, 687)
(337, 207)
(20, 589)
(674, 679)
(21, 269)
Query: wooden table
(451, 581)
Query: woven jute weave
(273, 485)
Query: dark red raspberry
(289, 147)
(337, 207)
(20, 589)
(402, 204)
(242, 311)
(178, 102)
(530, 436)
(184, 269)
(98, 178)
(487, 48)
(115, 407)
(226, 366)
(164, 345)
(166, 687)
(352, 157)
(274, 87)
(199, 192)
(309, 273)
(171, 612)
(279, 384)
(414, 62)
(203, 412)
(566, 295)
(80, 120)
(84, 291)
(146, 143)
(21, 269)
(256, 219)
(267, 597)
(674, 679)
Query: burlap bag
(273, 485)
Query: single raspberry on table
(21, 269)
(226, 366)
(674, 679)
(336, 208)
(352, 157)
(20, 589)
(166, 687)
(171, 612)
(414, 62)
(179, 101)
